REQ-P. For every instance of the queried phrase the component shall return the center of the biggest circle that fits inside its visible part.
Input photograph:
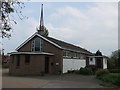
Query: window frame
(33, 45)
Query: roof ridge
(69, 44)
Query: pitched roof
(69, 46)
(58, 43)
(36, 34)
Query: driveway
(49, 81)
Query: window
(91, 61)
(74, 55)
(27, 59)
(17, 60)
(79, 55)
(66, 53)
(37, 45)
(83, 56)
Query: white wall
(92, 62)
(104, 63)
(73, 64)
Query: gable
(32, 37)
(57, 43)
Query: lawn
(110, 79)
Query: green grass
(111, 79)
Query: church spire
(41, 19)
(42, 29)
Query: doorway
(99, 63)
(46, 64)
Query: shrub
(77, 71)
(86, 71)
(114, 70)
(111, 78)
(117, 80)
(101, 72)
(70, 71)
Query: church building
(43, 54)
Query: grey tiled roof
(69, 46)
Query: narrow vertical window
(33, 45)
(41, 44)
(64, 53)
(37, 45)
(27, 59)
(18, 60)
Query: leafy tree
(7, 7)
(114, 60)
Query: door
(99, 63)
(46, 64)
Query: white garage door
(73, 64)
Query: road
(49, 81)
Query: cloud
(93, 28)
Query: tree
(114, 60)
(6, 8)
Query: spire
(41, 19)
(42, 29)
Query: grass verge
(110, 80)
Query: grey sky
(90, 25)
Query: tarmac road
(49, 81)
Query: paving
(50, 81)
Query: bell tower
(42, 30)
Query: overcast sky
(86, 24)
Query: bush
(114, 70)
(101, 72)
(86, 71)
(117, 80)
(111, 78)
(70, 71)
(77, 71)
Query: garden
(109, 77)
